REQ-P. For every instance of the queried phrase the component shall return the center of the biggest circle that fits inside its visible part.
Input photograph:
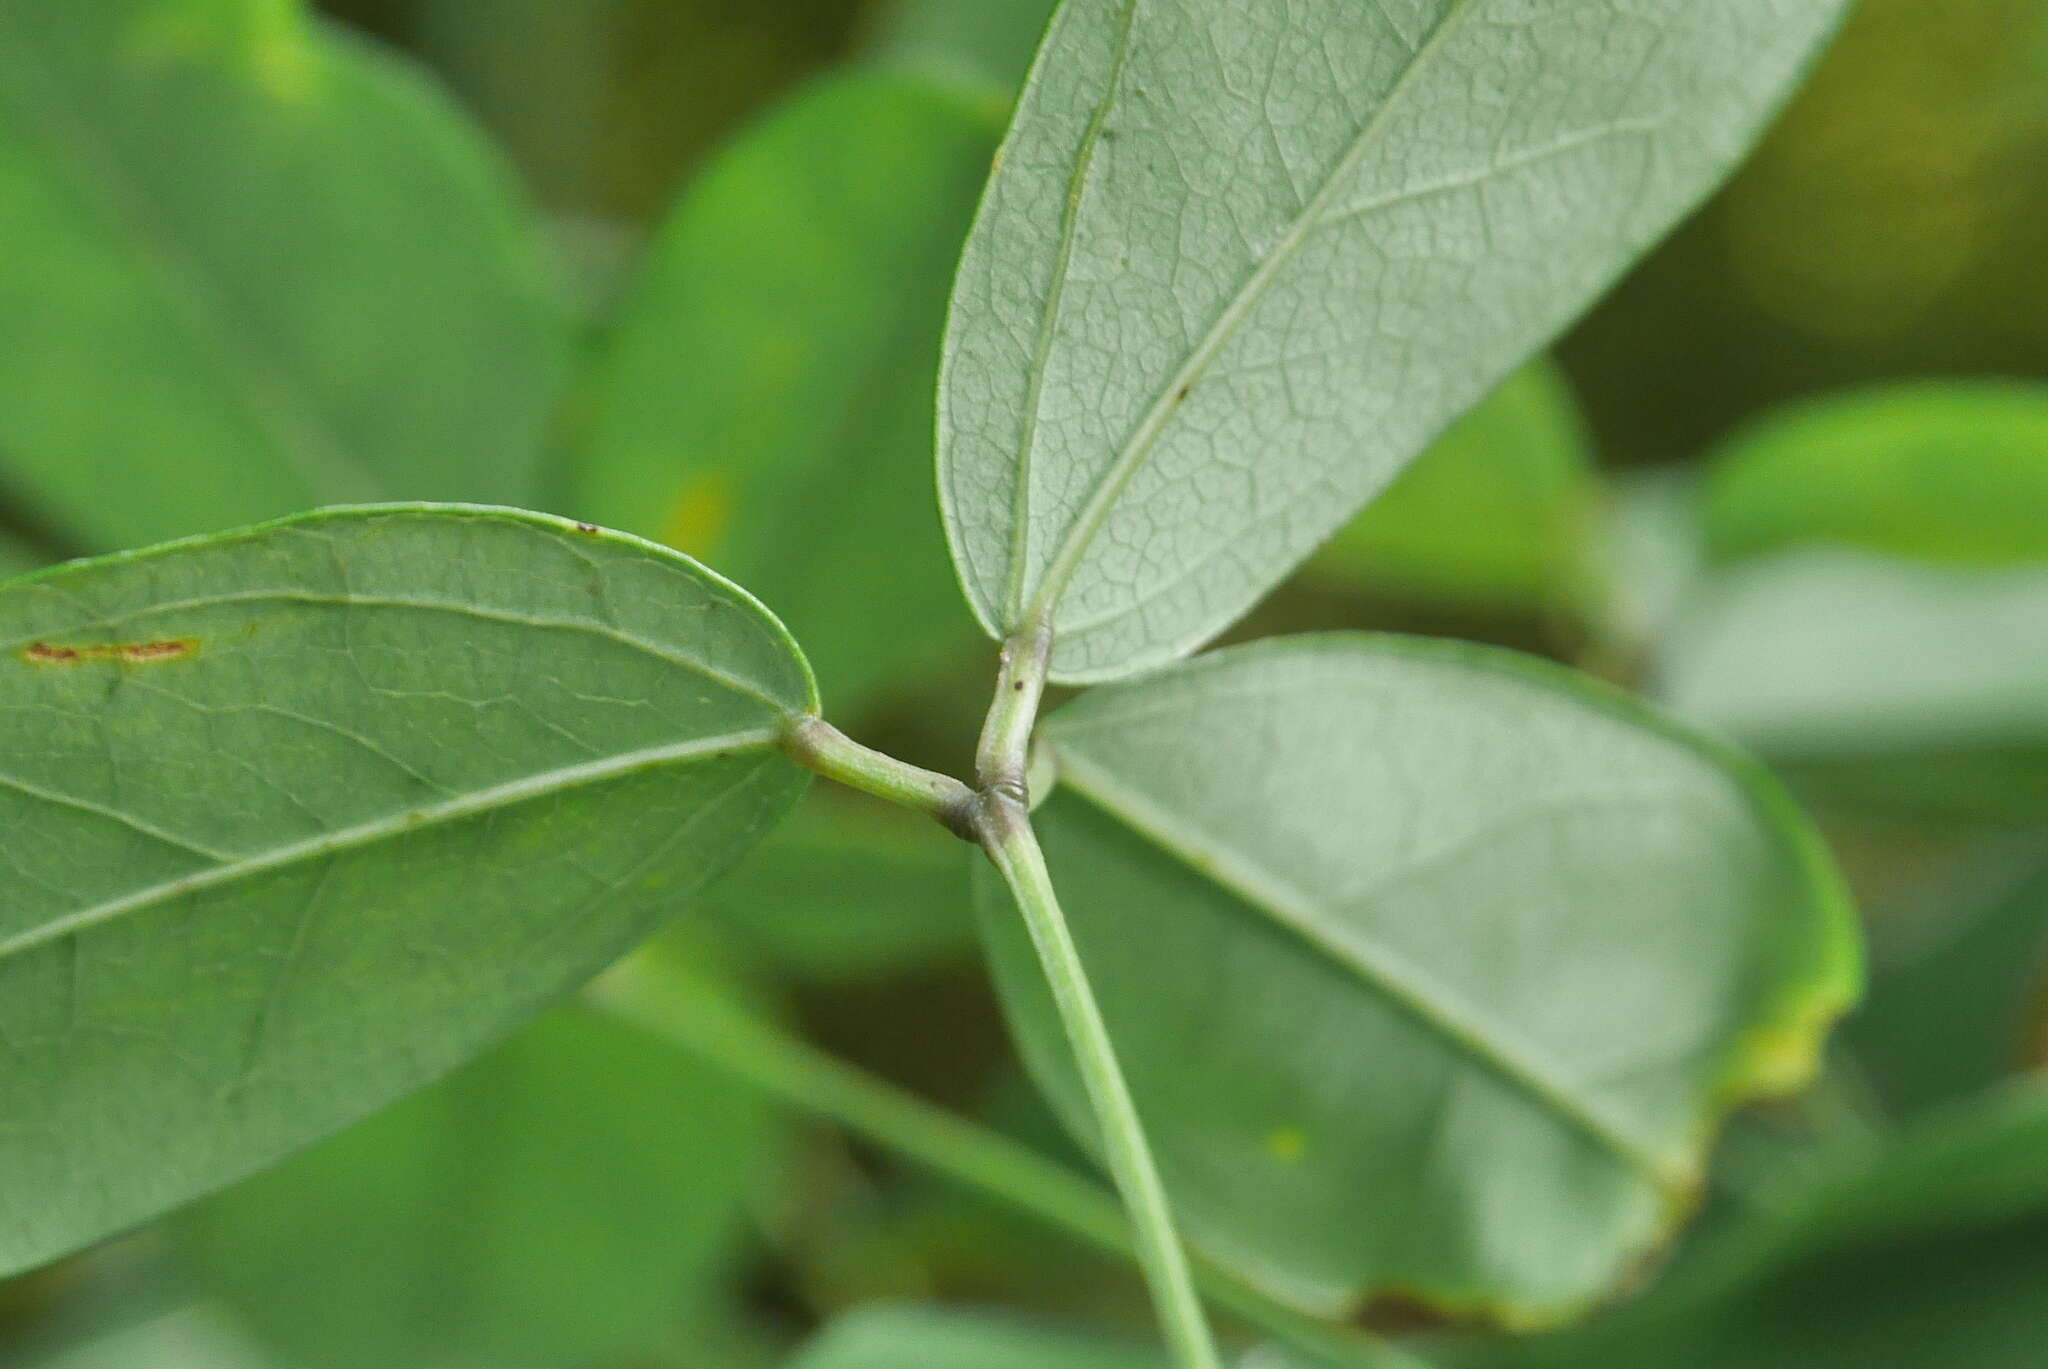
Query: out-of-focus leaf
(903, 1337)
(300, 817)
(198, 1337)
(767, 404)
(565, 1200)
(604, 102)
(990, 40)
(1239, 263)
(1952, 1010)
(1433, 967)
(1498, 513)
(1651, 557)
(1879, 683)
(1949, 472)
(1932, 1252)
(845, 890)
(1881, 631)
(16, 558)
(251, 268)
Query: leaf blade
(467, 1224)
(1488, 1015)
(887, 1336)
(1184, 374)
(308, 277)
(262, 886)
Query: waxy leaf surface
(252, 266)
(1240, 262)
(1433, 967)
(767, 405)
(300, 817)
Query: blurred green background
(679, 266)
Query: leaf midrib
(1048, 323)
(538, 785)
(1427, 1004)
(1109, 486)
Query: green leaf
(767, 404)
(844, 891)
(1651, 557)
(17, 558)
(1949, 472)
(566, 1200)
(1498, 513)
(1240, 263)
(898, 1337)
(1929, 1252)
(252, 267)
(1432, 966)
(990, 40)
(1876, 682)
(197, 1337)
(1976, 962)
(300, 817)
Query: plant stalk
(1000, 760)
(818, 746)
(1007, 837)
(668, 1003)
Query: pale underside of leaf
(1386, 972)
(1291, 245)
(1433, 968)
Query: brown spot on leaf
(125, 653)
(590, 528)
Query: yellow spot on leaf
(266, 39)
(699, 518)
(1287, 1144)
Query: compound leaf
(302, 816)
(1239, 263)
(1433, 967)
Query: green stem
(671, 1005)
(999, 761)
(1007, 836)
(817, 745)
